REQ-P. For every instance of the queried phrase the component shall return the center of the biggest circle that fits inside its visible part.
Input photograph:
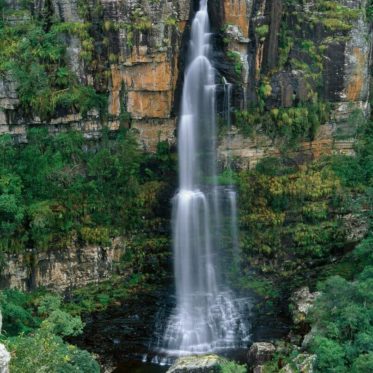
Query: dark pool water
(139, 367)
(124, 336)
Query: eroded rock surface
(303, 363)
(61, 269)
(197, 364)
(138, 53)
(260, 353)
(302, 301)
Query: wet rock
(302, 301)
(260, 353)
(238, 13)
(258, 369)
(4, 359)
(288, 87)
(309, 337)
(294, 338)
(303, 363)
(197, 364)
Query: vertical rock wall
(135, 61)
(275, 58)
(60, 270)
(138, 51)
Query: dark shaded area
(125, 336)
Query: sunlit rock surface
(302, 301)
(260, 353)
(197, 364)
(139, 68)
(303, 363)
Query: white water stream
(207, 317)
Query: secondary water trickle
(207, 317)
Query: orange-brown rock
(114, 101)
(145, 84)
(145, 104)
(149, 77)
(356, 79)
(236, 13)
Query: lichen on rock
(301, 302)
(197, 364)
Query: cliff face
(306, 52)
(61, 270)
(277, 54)
(133, 51)
(129, 51)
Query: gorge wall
(132, 52)
(299, 52)
(61, 270)
(277, 54)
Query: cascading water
(206, 317)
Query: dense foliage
(33, 331)
(55, 191)
(342, 318)
(292, 124)
(343, 321)
(322, 203)
(33, 53)
(296, 217)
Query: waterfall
(207, 317)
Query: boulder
(260, 353)
(4, 359)
(301, 302)
(197, 364)
(303, 363)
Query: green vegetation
(343, 320)
(287, 125)
(33, 52)
(369, 10)
(235, 57)
(294, 233)
(57, 191)
(262, 31)
(292, 218)
(33, 331)
(232, 367)
(302, 56)
(334, 16)
(342, 317)
(53, 192)
(62, 191)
